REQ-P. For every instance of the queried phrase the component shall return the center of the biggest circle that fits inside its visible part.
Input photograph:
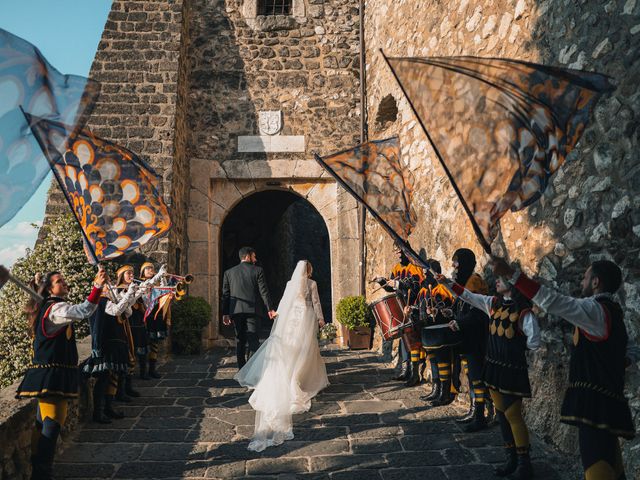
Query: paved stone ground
(195, 423)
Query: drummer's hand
(407, 311)
(226, 320)
(453, 325)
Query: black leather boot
(42, 460)
(98, 401)
(445, 397)
(478, 422)
(142, 365)
(414, 379)
(434, 393)
(152, 369)
(404, 372)
(121, 395)
(510, 463)
(108, 409)
(524, 470)
(470, 414)
(128, 387)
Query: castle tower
(228, 100)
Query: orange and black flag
(112, 192)
(375, 176)
(499, 127)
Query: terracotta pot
(359, 338)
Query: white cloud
(9, 255)
(25, 229)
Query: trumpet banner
(31, 84)
(112, 192)
(500, 127)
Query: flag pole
(476, 228)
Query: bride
(287, 371)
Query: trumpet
(187, 279)
(179, 290)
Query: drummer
(437, 310)
(405, 280)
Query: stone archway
(283, 227)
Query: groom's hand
(272, 314)
(226, 320)
(321, 323)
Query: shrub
(60, 250)
(188, 317)
(353, 312)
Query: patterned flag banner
(112, 192)
(500, 127)
(374, 174)
(29, 83)
(159, 297)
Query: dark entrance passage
(283, 228)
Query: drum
(438, 336)
(388, 312)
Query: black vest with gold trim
(595, 396)
(54, 364)
(505, 367)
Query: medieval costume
(473, 325)
(53, 375)
(405, 280)
(135, 334)
(512, 329)
(594, 401)
(437, 310)
(156, 320)
(109, 352)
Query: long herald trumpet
(188, 278)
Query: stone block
(271, 143)
(275, 466)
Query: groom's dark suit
(242, 288)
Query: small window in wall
(274, 7)
(387, 112)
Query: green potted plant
(355, 316)
(188, 317)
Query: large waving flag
(499, 127)
(375, 176)
(29, 83)
(112, 193)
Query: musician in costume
(53, 376)
(110, 348)
(473, 325)
(437, 310)
(405, 280)
(135, 329)
(156, 322)
(513, 329)
(594, 401)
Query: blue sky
(67, 33)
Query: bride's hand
(321, 323)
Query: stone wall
(590, 211)
(137, 63)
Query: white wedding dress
(287, 371)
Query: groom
(242, 286)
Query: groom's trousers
(247, 328)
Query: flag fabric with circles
(112, 192)
(29, 83)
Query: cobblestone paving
(195, 422)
